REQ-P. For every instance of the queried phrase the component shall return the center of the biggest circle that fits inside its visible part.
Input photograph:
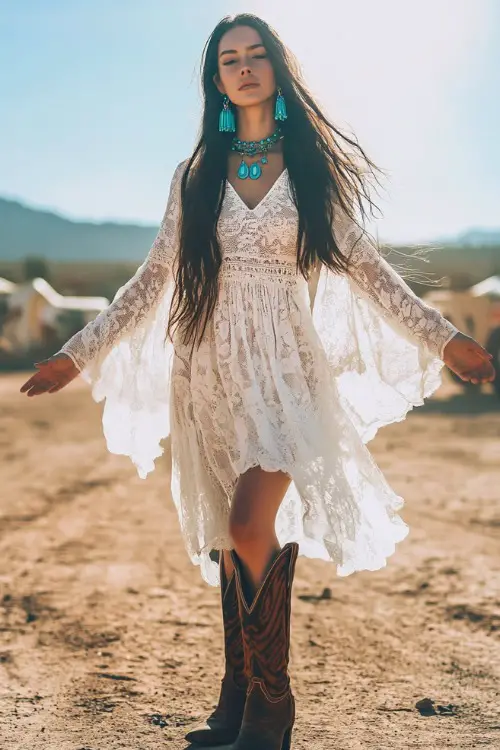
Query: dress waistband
(243, 269)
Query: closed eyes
(255, 57)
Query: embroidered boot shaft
(270, 706)
(223, 724)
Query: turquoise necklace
(252, 148)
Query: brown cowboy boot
(223, 724)
(270, 706)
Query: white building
(34, 308)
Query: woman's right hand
(53, 374)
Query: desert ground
(110, 638)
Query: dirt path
(109, 638)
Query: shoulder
(175, 182)
(181, 168)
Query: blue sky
(100, 100)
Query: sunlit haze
(100, 101)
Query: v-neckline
(259, 204)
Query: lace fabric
(287, 377)
(386, 345)
(123, 354)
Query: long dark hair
(321, 170)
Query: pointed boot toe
(223, 724)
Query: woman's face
(243, 59)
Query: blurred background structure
(108, 636)
(107, 101)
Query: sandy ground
(109, 638)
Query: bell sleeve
(376, 279)
(384, 344)
(124, 355)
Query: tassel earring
(280, 110)
(227, 122)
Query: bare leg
(255, 504)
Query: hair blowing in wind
(323, 165)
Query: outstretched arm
(138, 296)
(385, 287)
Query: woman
(268, 399)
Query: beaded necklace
(252, 148)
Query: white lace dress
(277, 382)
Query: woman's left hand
(468, 359)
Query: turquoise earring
(280, 110)
(227, 123)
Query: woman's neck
(255, 123)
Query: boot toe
(209, 735)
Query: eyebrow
(235, 51)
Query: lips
(249, 86)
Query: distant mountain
(474, 238)
(26, 232)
